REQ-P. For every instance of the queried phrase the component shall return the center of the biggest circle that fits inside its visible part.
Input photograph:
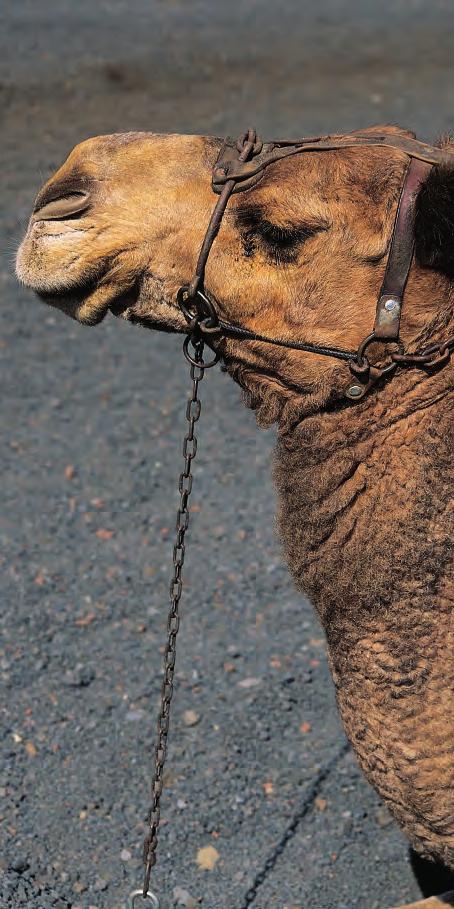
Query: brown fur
(365, 491)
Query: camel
(365, 511)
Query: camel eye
(281, 243)
(284, 242)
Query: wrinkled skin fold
(365, 491)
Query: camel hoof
(434, 902)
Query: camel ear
(434, 221)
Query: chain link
(193, 410)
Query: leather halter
(240, 165)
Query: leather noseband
(240, 165)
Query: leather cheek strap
(389, 305)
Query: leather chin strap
(240, 165)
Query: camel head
(300, 255)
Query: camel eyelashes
(280, 242)
(287, 236)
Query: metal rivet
(355, 391)
(391, 305)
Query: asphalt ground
(91, 438)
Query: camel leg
(434, 902)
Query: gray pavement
(92, 421)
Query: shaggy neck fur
(367, 525)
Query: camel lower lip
(63, 296)
(79, 293)
(70, 300)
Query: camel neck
(363, 496)
(367, 523)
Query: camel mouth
(123, 303)
(168, 319)
(75, 302)
(148, 304)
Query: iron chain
(193, 410)
(201, 318)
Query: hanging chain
(193, 408)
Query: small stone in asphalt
(249, 683)
(79, 677)
(100, 884)
(134, 716)
(19, 864)
(183, 898)
(190, 718)
(383, 817)
(125, 855)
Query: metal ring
(137, 899)
(363, 347)
(362, 360)
(250, 137)
(360, 370)
(207, 328)
(210, 322)
(205, 314)
(202, 364)
(181, 300)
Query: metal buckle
(230, 161)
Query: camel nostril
(61, 207)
